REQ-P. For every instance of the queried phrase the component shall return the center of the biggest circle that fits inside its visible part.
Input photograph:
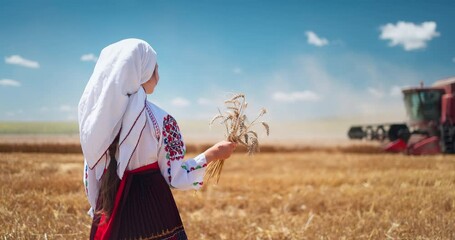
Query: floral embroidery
(86, 179)
(174, 147)
(198, 183)
(172, 139)
(193, 168)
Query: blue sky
(302, 60)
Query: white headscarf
(114, 101)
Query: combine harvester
(431, 125)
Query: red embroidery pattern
(174, 147)
(155, 123)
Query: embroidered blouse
(162, 142)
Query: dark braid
(110, 182)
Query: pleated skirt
(145, 209)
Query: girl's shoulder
(157, 111)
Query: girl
(133, 150)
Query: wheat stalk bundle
(238, 130)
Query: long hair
(109, 182)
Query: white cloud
(408, 34)
(18, 60)
(204, 101)
(305, 96)
(65, 108)
(395, 91)
(342, 95)
(90, 57)
(180, 102)
(237, 70)
(9, 83)
(315, 40)
(375, 92)
(15, 113)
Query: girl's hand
(221, 150)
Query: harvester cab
(423, 107)
(430, 126)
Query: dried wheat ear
(238, 130)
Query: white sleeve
(178, 172)
(91, 185)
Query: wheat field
(304, 195)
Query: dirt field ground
(305, 195)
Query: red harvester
(431, 125)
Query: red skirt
(144, 209)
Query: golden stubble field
(306, 195)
